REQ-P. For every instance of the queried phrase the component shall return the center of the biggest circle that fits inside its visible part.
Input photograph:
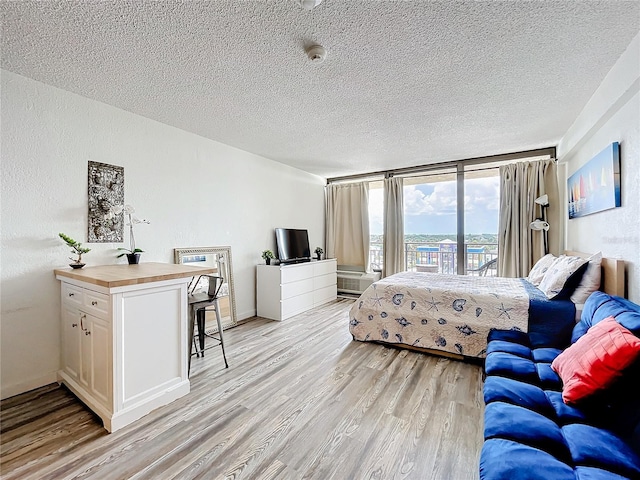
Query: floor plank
(300, 400)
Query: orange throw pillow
(595, 360)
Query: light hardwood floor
(299, 400)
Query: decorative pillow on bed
(595, 360)
(540, 268)
(590, 281)
(563, 276)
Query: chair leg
(190, 345)
(201, 335)
(224, 355)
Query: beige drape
(347, 214)
(393, 229)
(521, 183)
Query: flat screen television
(293, 245)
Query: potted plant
(318, 251)
(267, 255)
(76, 248)
(132, 253)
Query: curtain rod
(551, 151)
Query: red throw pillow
(596, 359)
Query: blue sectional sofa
(530, 433)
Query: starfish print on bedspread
(504, 311)
(433, 304)
(376, 299)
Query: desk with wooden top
(125, 339)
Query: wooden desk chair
(198, 305)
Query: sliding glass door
(430, 222)
(481, 215)
(451, 215)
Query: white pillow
(559, 272)
(590, 280)
(540, 268)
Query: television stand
(287, 290)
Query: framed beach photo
(596, 185)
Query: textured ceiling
(404, 82)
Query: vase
(268, 261)
(318, 256)
(133, 258)
(76, 265)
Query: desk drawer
(71, 295)
(98, 302)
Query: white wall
(194, 191)
(611, 115)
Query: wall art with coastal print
(106, 190)
(596, 185)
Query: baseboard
(246, 315)
(22, 387)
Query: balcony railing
(442, 258)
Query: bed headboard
(612, 274)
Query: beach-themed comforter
(451, 313)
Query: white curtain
(393, 239)
(347, 214)
(521, 183)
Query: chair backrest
(215, 284)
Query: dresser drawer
(295, 273)
(96, 301)
(295, 305)
(324, 295)
(322, 268)
(325, 280)
(71, 295)
(296, 288)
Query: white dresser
(124, 337)
(287, 290)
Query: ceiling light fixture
(310, 4)
(316, 53)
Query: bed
(452, 315)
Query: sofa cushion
(511, 366)
(548, 378)
(596, 447)
(592, 473)
(503, 459)
(596, 359)
(509, 347)
(599, 306)
(565, 414)
(546, 355)
(507, 390)
(512, 422)
(512, 336)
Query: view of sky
(431, 208)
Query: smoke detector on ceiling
(310, 4)
(316, 53)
